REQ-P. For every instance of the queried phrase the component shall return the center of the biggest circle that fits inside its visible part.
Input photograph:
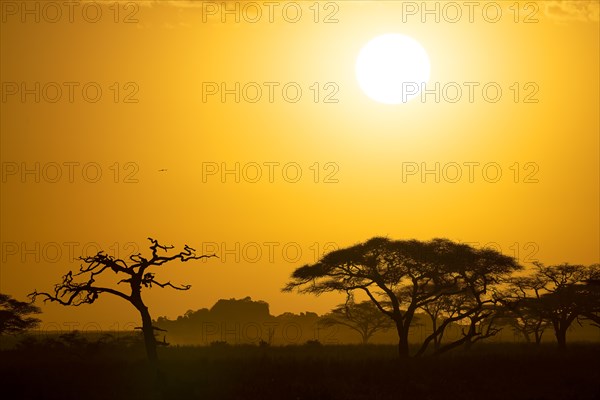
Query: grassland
(487, 371)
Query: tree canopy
(15, 316)
(402, 276)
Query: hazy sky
(269, 183)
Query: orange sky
(353, 155)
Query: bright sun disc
(391, 64)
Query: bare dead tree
(81, 288)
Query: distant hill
(243, 309)
(247, 321)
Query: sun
(391, 68)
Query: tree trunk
(561, 337)
(365, 337)
(469, 337)
(436, 339)
(403, 348)
(402, 341)
(148, 331)
(538, 334)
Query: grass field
(487, 371)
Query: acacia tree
(592, 291)
(476, 319)
(81, 288)
(436, 310)
(474, 310)
(364, 318)
(402, 276)
(521, 307)
(566, 296)
(481, 325)
(15, 315)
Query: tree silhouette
(402, 276)
(566, 296)
(522, 307)
(439, 310)
(136, 275)
(592, 289)
(481, 325)
(364, 318)
(14, 315)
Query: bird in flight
(162, 170)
